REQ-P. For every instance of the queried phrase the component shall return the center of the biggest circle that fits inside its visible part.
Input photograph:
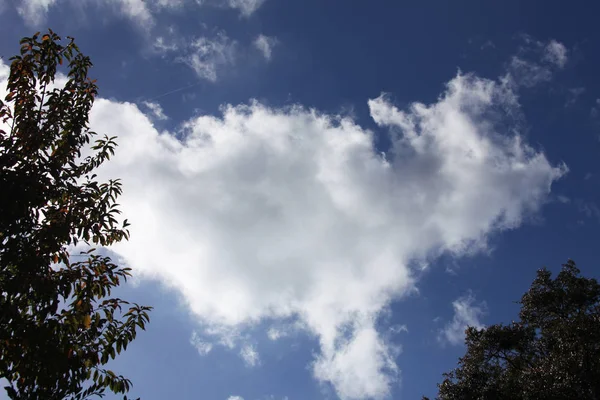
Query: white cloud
(156, 110)
(588, 208)
(536, 62)
(573, 95)
(398, 328)
(34, 12)
(268, 213)
(265, 45)
(245, 7)
(360, 366)
(168, 3)
(563, 199)
(162, 46)
(556, 53)
(276, 333)
(235, 398)
(250, 355)
(488, 45)
(136, 10)
(208, 54)
(466, 313)
(4, 73)
(290, 213)
(202, 346)
(285, 329)
(594, 112)
(528, 73)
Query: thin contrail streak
(174, 91)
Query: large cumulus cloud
(275, 213)
(291, 213)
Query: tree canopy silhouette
(58, 324)
(552, 352)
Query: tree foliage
(552, 352)
(58, 324)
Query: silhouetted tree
(58, 327)
(553, 352)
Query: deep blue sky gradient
(334, 55)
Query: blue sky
(325, 193)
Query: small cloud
(203, 347)
(563, 199)
(245, 7)
(281, 330)
(161, 45)
(156, 110)
(398, 328)
(136, 10)
(227, 337)
(488, 45)
(34, 12)
(276, 333)
(573, 95)
(265, 45)
(535, 62)
(168, 3)
(528, 73)
(595, 111)
(466, 314)
(235, 398)
(250, 355)
(588, 209)
(556, 53)
(587, 176)
(207, 54)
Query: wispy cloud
(595, 110)
(276, 333)
(573, 95)
(588, 208)
(207, 54)
(34, 12)
(563, 199)
(466, 313)
(156, 110)
(536, 62)
(398, 328)
(250, 355)
(245, 7)
(202, 346)
(265, 45)
(163, 45)
(555, 53)
(488, 45)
